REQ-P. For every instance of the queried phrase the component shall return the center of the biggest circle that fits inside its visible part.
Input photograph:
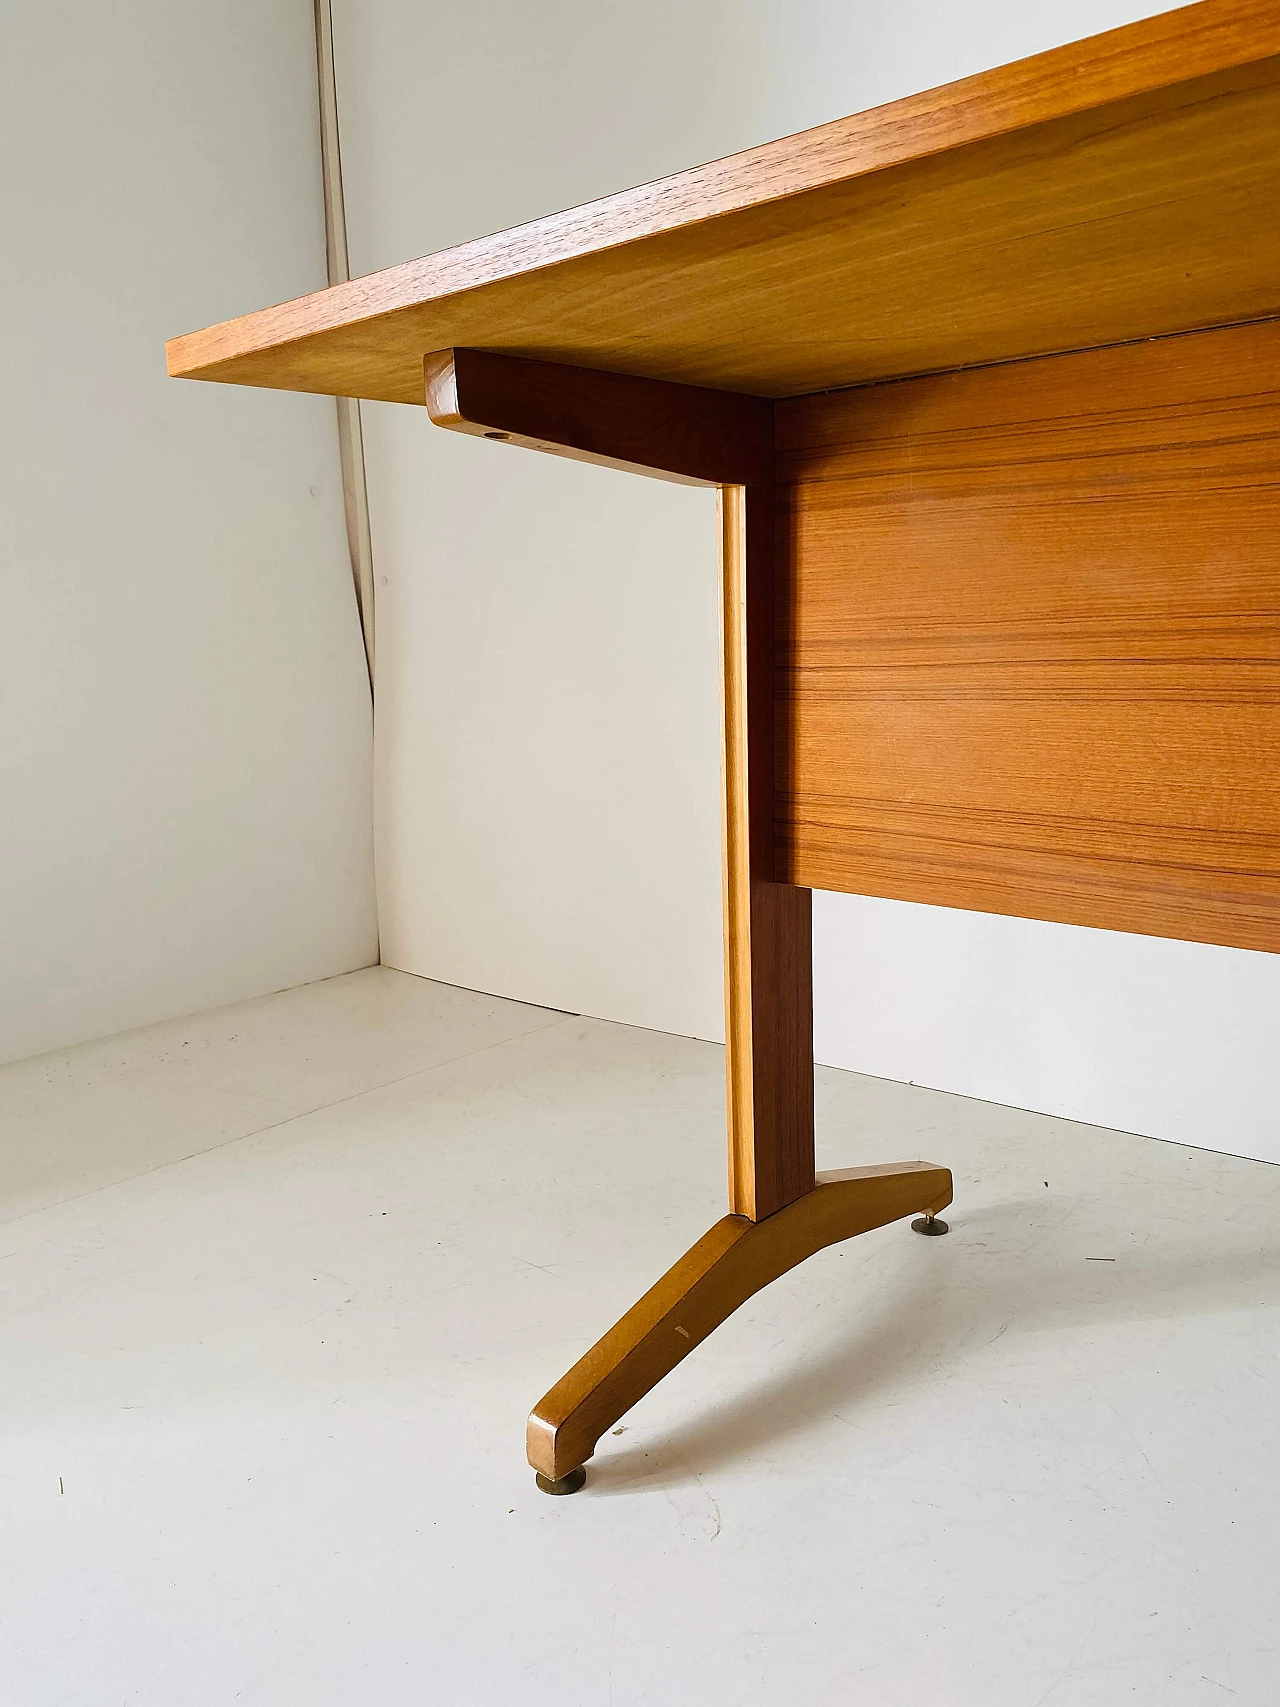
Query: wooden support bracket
(685, 433)
(701, 437)
(779, 1215)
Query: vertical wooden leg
(778, 1214)
(767, 925)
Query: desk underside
(1028, 639)
(1107, 190)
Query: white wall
(184, 718)
(546, 757)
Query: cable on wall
(355, 498)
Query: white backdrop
(185, 769)
(546, 751)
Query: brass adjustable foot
(566, 1484)
(932, 1226)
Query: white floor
(281, 1282)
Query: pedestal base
(727, 1265)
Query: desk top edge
(1136, 60)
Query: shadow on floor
(1008, 1266)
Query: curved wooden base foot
(729, 1263)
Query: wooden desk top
(1117, 188)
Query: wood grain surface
(727, 1265)
(1032, 662)
(1113, 189)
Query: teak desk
(989, 382)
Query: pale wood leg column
(767, 925)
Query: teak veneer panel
(1108, 190)
(1031, 643)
